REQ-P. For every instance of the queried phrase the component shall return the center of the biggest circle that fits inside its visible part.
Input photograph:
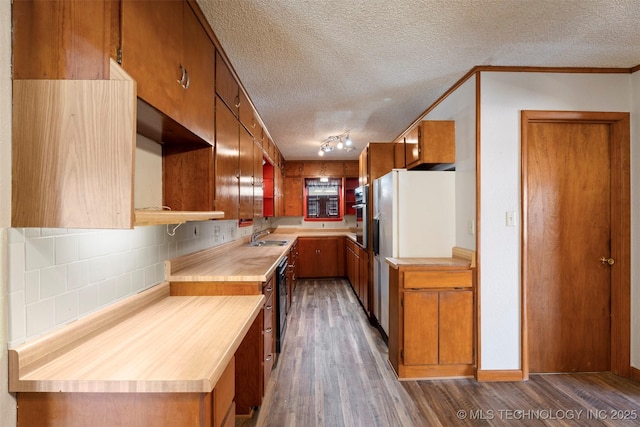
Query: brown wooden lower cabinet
(321, 256)
(256, 355)
(431, 321)
(292, 273)
(357, 271)
(216, 408)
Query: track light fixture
(342, 142)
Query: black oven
(360, 206)
(281, 303)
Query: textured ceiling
(315, 68)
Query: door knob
(609, 261)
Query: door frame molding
(620, 228)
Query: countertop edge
(179, 385)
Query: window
(323, 199)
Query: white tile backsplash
(16, 266)
(66, 306)
(41, 316)
(17, 315)
(39, 253)
(32, 286)
(60, 275)
(55, 281)
(66, 249)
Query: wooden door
(152, 51)
(572, 218)
(226, 85)
(258, 181)
(227, 143)
(293, 196)
(197, 108)
(61, 39)
(420, 328)
(455, 335)
(364, 278)
(246, 174)
(319, 257)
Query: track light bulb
(348, 142)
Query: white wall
(460, 106)
(7, 401)
(503, 96)
(635, 217)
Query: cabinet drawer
(438, 279)
(267, 289)
(268, 314)
(223, 394)
(268, 365)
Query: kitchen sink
(269, 243)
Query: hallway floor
(333, 371)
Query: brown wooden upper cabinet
(430, 144)
(169, 54)
(227, 198)
(293, 169)
(376, 160)
(61, 39)
(294, 194)
(324, 168)
(246, 175)
(226, 85)
(351, 169)
(248, 117)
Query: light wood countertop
(428, 262)
(237, 261)
(172, 344)
(460, 258)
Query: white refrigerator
(413, 216)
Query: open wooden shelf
(158, 217)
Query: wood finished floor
(333, 371)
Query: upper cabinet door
(152, 51)
(226, 86)
(431, 144)
(61, 39)
(246, 174)
(227, 158)
(197, 108)
(169, 54)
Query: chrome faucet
(257, 234)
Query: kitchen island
(152, 359)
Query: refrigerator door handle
(376, 236)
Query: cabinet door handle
(269, 357)
(268, 307)
(237, 101)
(268, 331)
(188, 82)
(183, 76)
